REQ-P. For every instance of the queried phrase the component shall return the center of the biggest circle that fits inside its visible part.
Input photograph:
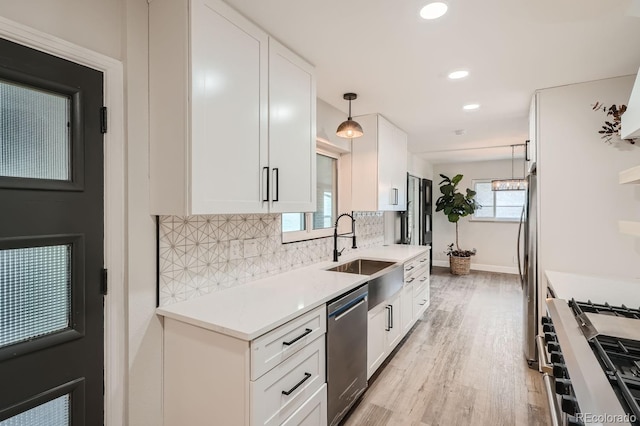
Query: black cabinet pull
(391, 316)
(387, 326)
(276, 183)
(291, 342)
(267, 191)
(411, 280)
(290, 391)
(526, 150)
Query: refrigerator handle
(518, 248)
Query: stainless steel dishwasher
(346, 352)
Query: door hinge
(104, 281)
(103, 119)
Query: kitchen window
(497, 206)
(306, 226)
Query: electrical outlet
(235, 249)
(250, 248)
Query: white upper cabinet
(213, 129)
(379, 166)
(292, 131)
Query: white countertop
(598, 289)
(250, 310)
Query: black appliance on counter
(591, 360)
(416, 221)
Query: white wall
(580, 198)
(494, 241)
(94, 24)
(328, 120)
(145, 328)
(419, 167)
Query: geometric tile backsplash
(194, 251)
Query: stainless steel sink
(362, 266)
(385, 278)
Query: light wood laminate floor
(462, 364)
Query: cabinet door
(386, 158)
(229, 76)
(400, 170)
(395, 334)
(376, 338)
(406, 307)
(292, 131)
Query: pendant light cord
(349, 109)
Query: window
(305, 226)
(497, 205)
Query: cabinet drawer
(420, 302)
(271, 349)
(423, 259)
(410, 266)
(420, 282)
(283, 390)
(313, 412)
(416, 274)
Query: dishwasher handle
(344, 310)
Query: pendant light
(349, 129)
(510, 184)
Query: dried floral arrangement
(611, 126)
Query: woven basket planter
(460, 265)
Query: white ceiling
(397, 63)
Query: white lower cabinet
(384, 332)
(313, 412)
(277, 379)
(392, 319)
(406, 302)
(279, 393)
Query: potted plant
(455, 205)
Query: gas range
(592, 361)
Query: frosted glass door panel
(35, 292)
(35, 141)
(52, 413)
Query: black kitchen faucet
(337, 253)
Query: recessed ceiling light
(470, 107)
(456, 75)
(433, 10)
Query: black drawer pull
(411, 280)
(291, 342)
(409, 268)
(290, 391)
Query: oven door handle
(552, 400)
(544, 366)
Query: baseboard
(482, 267)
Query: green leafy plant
(455, 205)
(611, 125)
(450, 251)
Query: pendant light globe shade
(349, 129)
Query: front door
(51, 240)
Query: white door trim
(114, 203)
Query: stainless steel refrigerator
(528, 269)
